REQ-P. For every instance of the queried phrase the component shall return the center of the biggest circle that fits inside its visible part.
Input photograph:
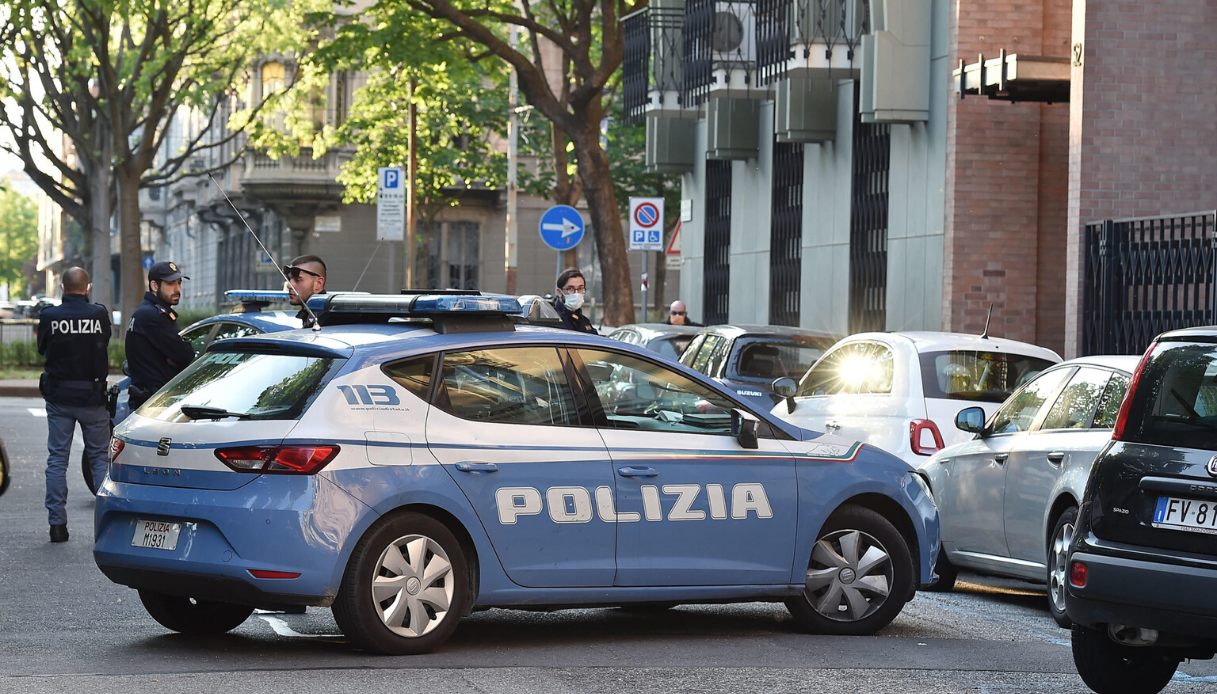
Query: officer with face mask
(572, 289)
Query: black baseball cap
(166, 271)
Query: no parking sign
(646, 224)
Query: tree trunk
(132, 280)
(597, 181)
(98, 228)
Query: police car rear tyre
(192, 616)
(859, 577)
(405, 587)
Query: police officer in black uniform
(568, 302)
(73, 337)
(155, 352)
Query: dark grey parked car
(1008, 499)
(749, 358)
(1142, 570)
(667, 340)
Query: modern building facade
(853, 165)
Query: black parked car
(1143, 562)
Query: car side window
(227, 330)
(701, 363)
(856, 368)
(1019, 412)
(413, 374)
(1076, 405)
(690, 353)
(509, 385)
(639, 394)
(197, 337)
(1109, 404)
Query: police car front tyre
(193, 616)
(405, 587)
(859, 577)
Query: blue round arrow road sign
(561, 227)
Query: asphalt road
(65, 627)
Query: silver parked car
(1008, 499)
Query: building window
(786, 234)
(452, 254)
(274, 78)
(868, 227)
(717, 261)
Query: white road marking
(37, 411)
(282, 629)
(1184, 677)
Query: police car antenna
(248, 228)
(984, 334)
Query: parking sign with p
(646, 224)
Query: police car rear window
(250, 386)
(509, 385)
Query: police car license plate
(155, 534)
(1186, 514)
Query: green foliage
(18, 238)
(24, 353)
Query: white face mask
(573, 301)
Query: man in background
(679, 315)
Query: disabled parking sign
(646, 224)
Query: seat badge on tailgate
(1212, 466)
(162, 448)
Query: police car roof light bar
(254, 300)
(447, 312)
(278, 267)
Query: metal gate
(717, 268)
(868, 227)
(1144, 276)
(786, 234)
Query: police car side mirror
(786, 388)
(743, 425)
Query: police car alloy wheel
(859, 578)
(405, 587)
(191, 616)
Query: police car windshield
(250, 386)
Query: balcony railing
(813, 31)
(651, 67)
(720, 47)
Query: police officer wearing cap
(73, 338)
(155, 351)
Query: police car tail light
(116, 447)
(924, 437)
(281, 460)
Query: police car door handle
(637, 471)
(1000, 458)
(1056, 457)
(477, 467)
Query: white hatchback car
(900, 391)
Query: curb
(20, 390)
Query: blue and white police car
(422, 456)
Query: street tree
(18, 238)
(91, 88)
(571, 52)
